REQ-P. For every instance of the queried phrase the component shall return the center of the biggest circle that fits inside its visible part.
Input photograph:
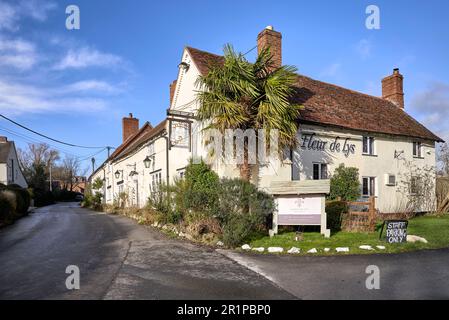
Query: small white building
(337, 126)
(10, 171)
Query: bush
(199, 189)
(334, 212)
(345, 184)
(242, 210)
(7, 211)
(43, 198)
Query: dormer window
(417, 149)
(368, 146)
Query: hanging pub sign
(395, 231)
(309, 141)
(180, 133)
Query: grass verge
(434, 229)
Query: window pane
(371, 145)
(323, 171)
(316, 171)
(372, 187)
(365, 186)
(365, 145)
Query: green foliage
(345, 184)
(242, 210)
(334, 211)
(97, 184)
(240, 95)
(198, 191)
(14, 203)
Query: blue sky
(75, 85)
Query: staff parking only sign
(396, 231)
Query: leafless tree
(443, 160)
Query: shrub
(334, 212)
(345, 184)
(242, 210)
(43, 198)
(6, 207)
(199, 189)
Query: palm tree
(243, 95)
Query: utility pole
(93, 165)
(49, 171)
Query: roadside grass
(434, 229)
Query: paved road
(415, 275)
(118, 259)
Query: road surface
(119, 259)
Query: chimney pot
(272, 40)
(392, 88)
(130, 126)
(3, 139)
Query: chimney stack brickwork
(392, 88)
(172, 90)
(130, 126)
(3, 139)
(271, 39)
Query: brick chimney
(130, 126)
(3, 139)
(392, 88)
(172, 90)
(271, 39)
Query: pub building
(337, 126)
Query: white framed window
(417, 149)
(368, 186)
(415, 185)
(368, 146)
(319, 171)
(156, 180)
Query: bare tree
(443, 160)
(37, 155)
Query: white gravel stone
(380, 247)
(260, 249)
(313, 250)
(246, 247)
(275, 249)
(413, 239)
(366, 247)
(220, 244)
(294, 250)
(327, 249)
(342, 249)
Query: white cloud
(90, 86)
(432, 107)
(17, 53)
(17, 98)
(363, 48)
(88, 57)
(8, 16)
(11, 14)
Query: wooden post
(372, 213)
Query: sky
(76, 85)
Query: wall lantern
(184, 65)
(117, 174)
(147, 162)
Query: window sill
(369, 155)
(415, 157)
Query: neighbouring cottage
(337, 125)
(10, 171)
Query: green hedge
(334, 211)
(14, 203)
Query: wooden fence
(360, 219)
